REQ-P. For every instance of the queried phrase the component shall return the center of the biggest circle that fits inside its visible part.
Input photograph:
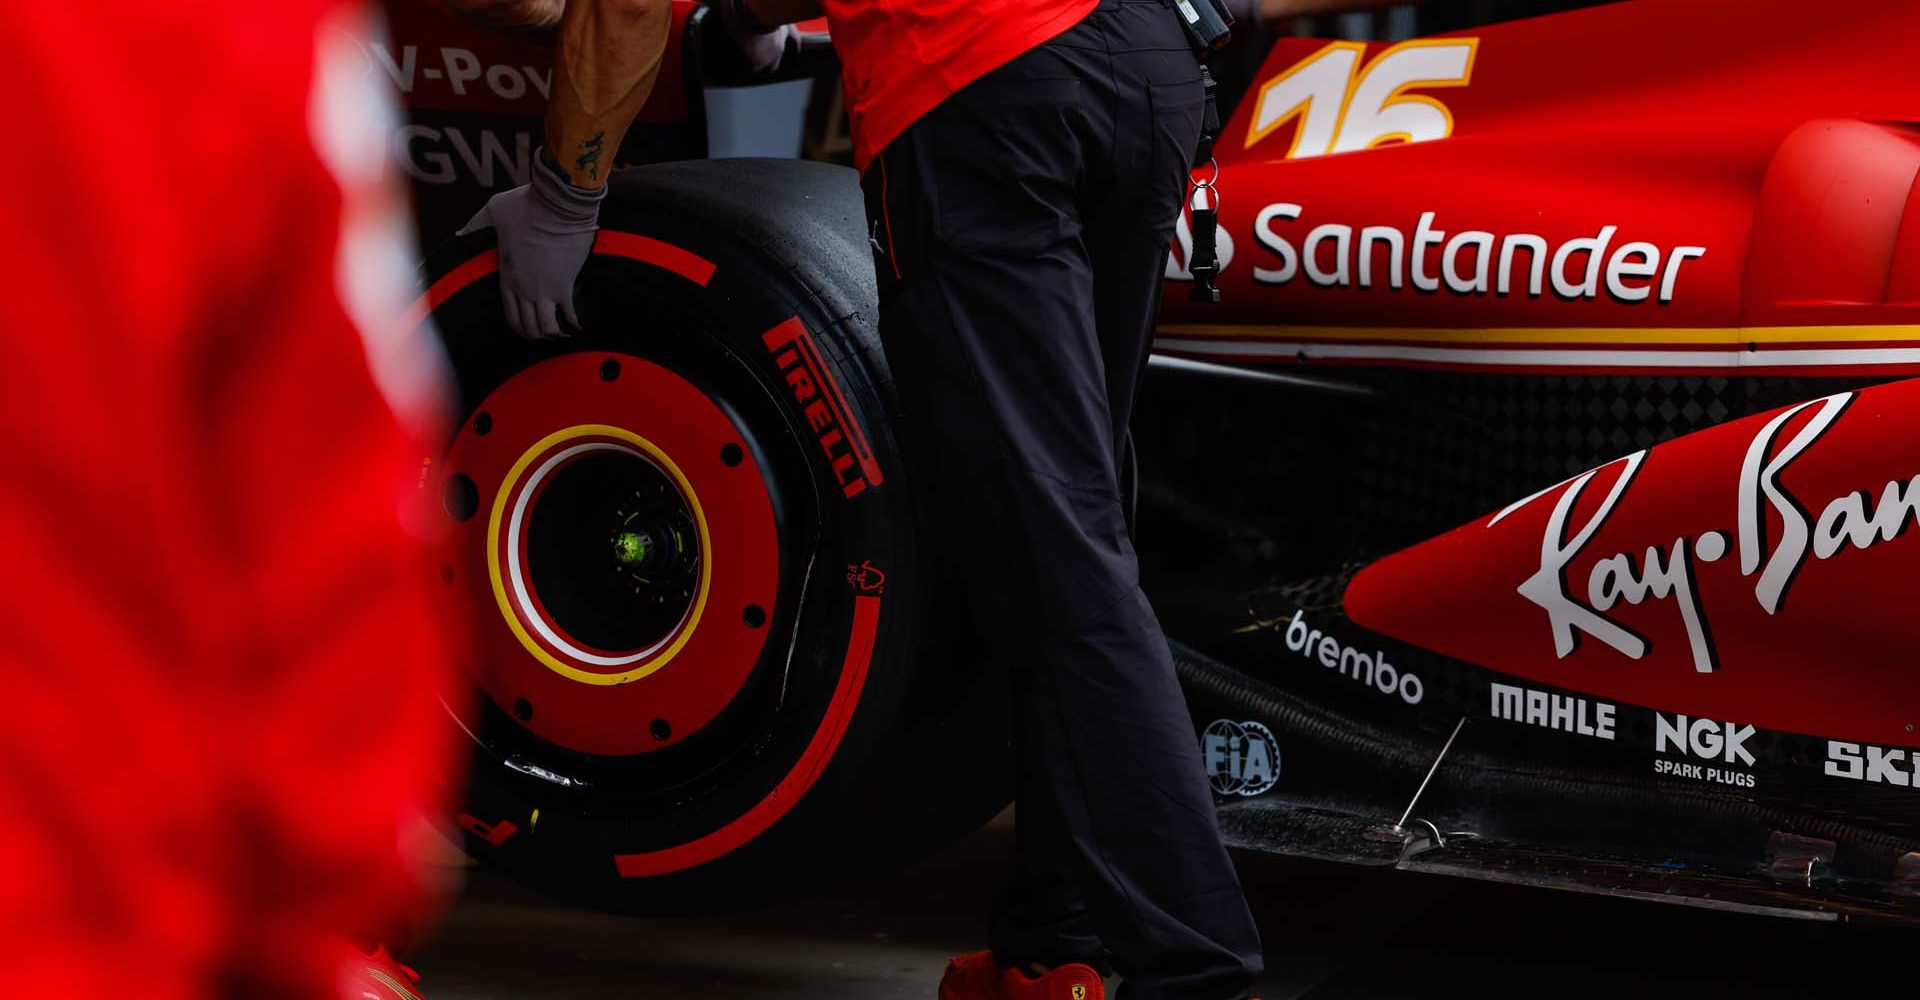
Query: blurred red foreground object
(218, 657)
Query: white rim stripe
(1524, 358)
(524, 601)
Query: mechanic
(1024, 164)
(212, 763)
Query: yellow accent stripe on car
(1733, 336)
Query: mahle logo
(1242, 758)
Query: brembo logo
(1369, 669)
(1666, 572)
(818, 395)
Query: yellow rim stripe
(393, 984)
(542, 447)
(1732, 336)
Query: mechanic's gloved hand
(546, 232)
(762, 48)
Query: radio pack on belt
(1209, 24)
(1209, 27)
(1203, 260)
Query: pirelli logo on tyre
(818, 395)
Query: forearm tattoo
(588, 162)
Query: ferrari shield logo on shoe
(1242, 758)
(1079, 991)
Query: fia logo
(1341, 106)
(1242, 758)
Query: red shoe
(378, 977)
(976, 976)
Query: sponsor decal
(1469, 262)
(1341, 106)
(1369, 669)
(1242, 758)
(1567, 713)
(460, 71)
(865, 578)
(443, 156)
(1666, 572)
(1703, 739)
(1701, 772)
(818, 395)
(1878, 765)
(493, 833)
(451, 77)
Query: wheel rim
(618, 528)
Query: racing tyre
(705, 662)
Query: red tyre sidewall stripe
(451, 284)
(866, 610)
(798, 782)
(684, 263)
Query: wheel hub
(619, 535)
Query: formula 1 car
(1536, 506)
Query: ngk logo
(1702, 738)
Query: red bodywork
(1682, 191)
(1752, 185)
(1710, 194)
(442, 63)
(1761, 571)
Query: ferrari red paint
(1680, 186)
(1760, 571)
(439, 62)
(569, 691)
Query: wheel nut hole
(660, 730)
(461, 497)
(483, 424)
(522, 709)
(609, 370)
(755, 616)
(732, 455)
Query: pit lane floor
(1331, 931)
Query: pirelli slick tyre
(706, 669)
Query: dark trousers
(1021, 232)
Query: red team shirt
(901, 58)
(216, 652)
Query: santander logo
(1667, 571)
